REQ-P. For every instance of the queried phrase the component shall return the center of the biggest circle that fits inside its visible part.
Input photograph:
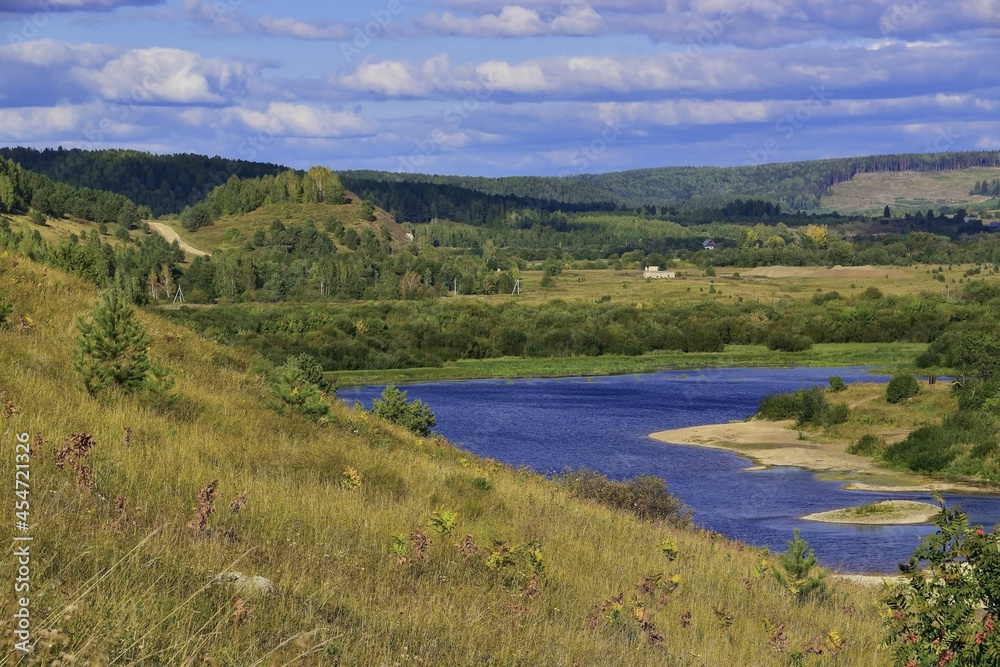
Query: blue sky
(502, 87)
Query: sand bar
(884, 513)
(777, 443)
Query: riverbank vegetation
(217, 529)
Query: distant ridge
(168, 183)
(798, 185)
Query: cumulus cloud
(49, 52)
(166, 75)
(300, 120)
(34, 123)
(517, 21)
(887, 71)
(745, 23)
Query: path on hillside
(170, 235)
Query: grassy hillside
(118, 576)
(213, 237)
(908, 191)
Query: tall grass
(119, 577)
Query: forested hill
(21, 190)
(799, 184)
(548, 188)
(169, 183)
(423, 201)
(164, 183)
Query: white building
(654, 272)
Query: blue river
(603, 423)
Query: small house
(654, 272)
(709, 244)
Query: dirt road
(170, 235)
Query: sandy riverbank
(777, 444)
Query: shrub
(933, 448)
(901, 387)
(807, 406)
(788, 342)
(37, 217)
(837, 414)
(775, 407)
(415, 416)
(837, 383)
(710, 272)
(871, 294)
(867, 445)
(646, 496)
(927, 360)
(975, 394)
(820, 299)
(945, 612)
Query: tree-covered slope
(164, 183)
(799, 184)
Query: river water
(603, 423)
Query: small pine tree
(291, 384)
(111, 351)
(796, 564)
(392, 406)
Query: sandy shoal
(777, 444)
(903, 512)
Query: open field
(764, 284)
(907, 191)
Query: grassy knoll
(889, 355)
(213, 237)
(907, 191)
(119, 574)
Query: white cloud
(33, 123)
(517, 21)
(166, 75)
(284, 119)
(48, 52)
(289, 27)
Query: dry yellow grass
(907, 190)
(118, 573)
